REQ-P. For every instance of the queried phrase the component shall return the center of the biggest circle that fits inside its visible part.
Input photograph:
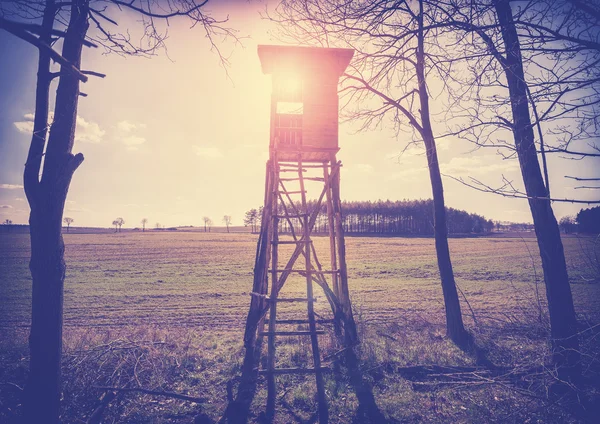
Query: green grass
(167, 310)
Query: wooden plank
(303, 321)
(291, 333)
(292, 170)
(289, 241)
(305, 178)
(321, 397)
(331, 228)
(302, 166)
(313, 271)
(302, 215)
(284, 299)
(271, 387)
(294, 371)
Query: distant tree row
(412, 217)
(252, 219)
(586, 221)
(118, 223)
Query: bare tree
(157, 225)
(251, 219)
(487, 33)
(144, 222)
(559, 54)
(116, 224)
(207, 222)
(68, 221)
(227, 221)
(387, 79)
(119, 223)
(568, 224)
(41, 23)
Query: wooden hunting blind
(304, 99)
(302, 156)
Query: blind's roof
(284, 59)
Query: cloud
(208, 152)
(126, 126)
(11, 186)
(6, 207)
(24, 126)
(478, 165)
(133, 140)
(88, 132)
(125, 132)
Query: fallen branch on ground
(154, 392)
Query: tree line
(586, 221)
(408, 217)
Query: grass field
(167, 309)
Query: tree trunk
(454, 323)
(47, 199)
(563, 321)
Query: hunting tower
(302, 159)
(304, 99)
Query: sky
(175, 137)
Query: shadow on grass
(238, 409)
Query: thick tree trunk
(454, 323)
(47, 199)
(563, 320)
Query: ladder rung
(293, 299)
(290, 333)
(301, 321)
(293, 192)
(292, 170)
(289, 242)
(305, 178)
(283, 299)
(302, 215)
(293, 371)
(307, 272)
(304, 165)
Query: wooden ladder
(309, 271)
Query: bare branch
(17, 31)
(153, 392)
